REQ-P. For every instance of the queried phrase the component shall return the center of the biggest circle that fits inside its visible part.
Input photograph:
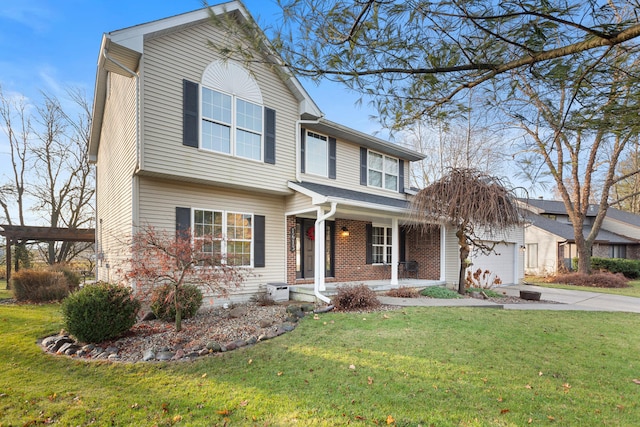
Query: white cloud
(34, 14)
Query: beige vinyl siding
(159, 199)
(298, 203)
(547, 250)
(348, 172)
(114, 182)
(184, 54)
(452, 257)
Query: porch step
(305, 293)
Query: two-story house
(183, 139)
(550, 241)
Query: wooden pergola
(15, 233)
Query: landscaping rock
(237, 312)
(148, 355)
(164, 356)
(213, 346)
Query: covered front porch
(306, 292)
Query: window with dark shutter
(259, 241)
(401, 176)
(363, 166)
(369, 243)
(332, 158)
(270, 136)
(302, 148)
(183, 222)
(190, 114)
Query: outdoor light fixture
(344, 232)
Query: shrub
(355, 298)
(100, 312)
(595, 280)
(629, 267)
(73, 278)
(163, 305)
(439, 292)
(39, 285)
(403, 292)
(482, 279)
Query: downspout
(318, 281)
(298, 143)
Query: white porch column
(395, 250)
(319, 273)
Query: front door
(308, 247)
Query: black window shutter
(183, 222)
(332, 158)
(190, 114)
(363, 166)
(401, 176)
(402, 241)
(270, 136)
(369, 243)
(258, 241)
(302, 141)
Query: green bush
(100, 312)
(439, 292)
(630, 268)
(163, 305)
(356, 297)
(39, 285)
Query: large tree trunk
(583, 247)
(464, 254)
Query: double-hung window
(381, 245)
(382, 171)
(231, 125)
(225, 237)
(317, 154)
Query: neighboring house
(550, 240)
(183, 139)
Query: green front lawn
(417, 366)
(632, 291)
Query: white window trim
(306, 153)
(384, 157)
(387, 229)
(224, 239)
(233, 126)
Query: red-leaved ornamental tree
(159, 258)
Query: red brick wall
(350, 255)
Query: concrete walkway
(569, 300)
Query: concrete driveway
(568, 300)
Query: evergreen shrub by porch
(100, 312)
(163, 305)
(595, 280)
(39, 285)
(629, 267)
(355, 298)
(439, 292)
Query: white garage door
(502, 264)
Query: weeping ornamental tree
(476, 204)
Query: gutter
(318, 281)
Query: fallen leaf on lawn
(566, 387)
(621, 407)
(540, 374)
(244, 403)
(358, 417)
(636, 381)
(550, 418)
(280, 373)
(224, 412)
(204, 375)
(528, 386)
(369, 380)
(316, 317)
(134, 406)
(500, 399)
(177, 418)
(364, 318)
(250, 361)
(530, 421)
(53, 396)
(390, 420)
(384, 316)
(352, 366)
(484, 380)
(504, 411)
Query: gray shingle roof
(565, 231)
(356, 196)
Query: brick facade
(350, 254)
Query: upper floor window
(317, 154)
(382, 171)
(231, 125)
